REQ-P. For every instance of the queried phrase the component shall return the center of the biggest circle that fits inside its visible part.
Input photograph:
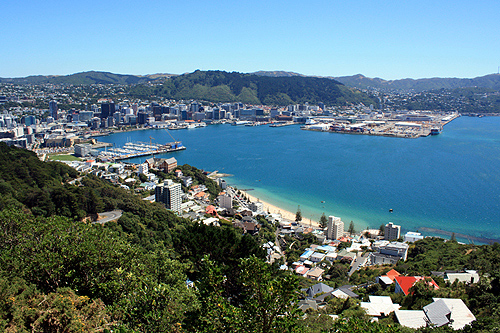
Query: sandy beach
(277, 210)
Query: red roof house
(404, 283)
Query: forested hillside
(219, 86)
(61, 273)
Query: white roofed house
(443, 311)
(379, 306)
(448, 311)
(317, 256)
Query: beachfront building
(257, 207)
(411, 237)
(392, 231)
(170, 194)
(225, 201)
(335, 228)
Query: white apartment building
(335, 228)
(170, 194)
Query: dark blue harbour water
(449, 182)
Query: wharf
(281, 124)
(98, 145)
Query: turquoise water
(449, 182)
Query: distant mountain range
(491, 81)
(91, 77)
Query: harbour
(448, 181)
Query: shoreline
(285, 214)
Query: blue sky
(387, 39)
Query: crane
(175, 141)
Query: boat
(436, 130)
(240, 122)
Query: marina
(139, 149)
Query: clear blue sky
(388, 39)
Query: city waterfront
(449, 182)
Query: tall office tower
(170, 194)
(106, 110)
(112, 109)
(194, 107)
(142, 118)
(53, 109)
(392, 231)
(335, 228)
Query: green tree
(267, 301)
(351, 229)
(298, 215)
(381, 230)
(323, 221)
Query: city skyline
(393, 40)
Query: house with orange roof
(388, 278)
(211, 210)
(404, 283)
(202, 196)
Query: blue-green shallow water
(449, 182)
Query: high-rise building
(53, 109)
(104, 110)
(335, 228)
(392, 231)
(194, 107)
(142, 118)
(170, 194)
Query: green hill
(219, 86)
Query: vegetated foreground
(60, 273)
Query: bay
(449, 182)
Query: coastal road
(109, 216)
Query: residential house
(465, 276)
(344, 292)
(448, 311)
(315, 273)
(404, 283)
(318, 288)
(379, 306)
(388, 278)
(411, 318)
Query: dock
(281, 123)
